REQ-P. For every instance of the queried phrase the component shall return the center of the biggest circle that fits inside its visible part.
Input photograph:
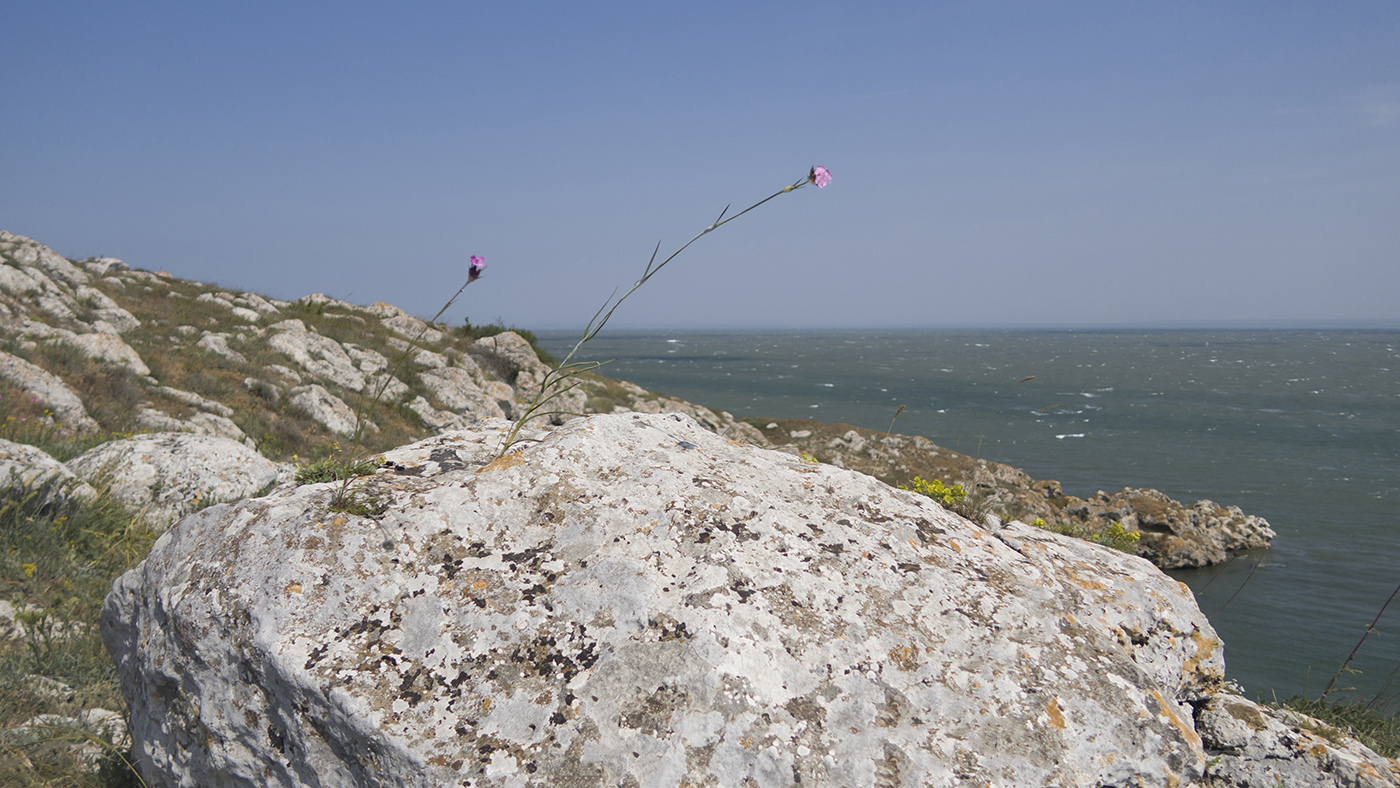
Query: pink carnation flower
(474, 271)
(819, 175)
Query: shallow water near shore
(1301, 427)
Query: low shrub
(1115, 536)
(955, 499)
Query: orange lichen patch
(480, 585)
(508, 461)
(1187, 731)
(740, 444)
(1057, 717)
(1205, 647)
(1317, 750)
(1085, 583)
(293, 588)
(339, 521)
(905, 658)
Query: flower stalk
(557, 382)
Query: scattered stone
(218, 343)
(104, 266)
(256, 302)
(25, 468)
(456, 390)
(437, 420)
(50, 689)
(31, 254)
(414, 329)
(191, 398)
(152, 420)
(48, 389)
(421, 356)
(109, 349)
(268, 392)
(107, 312)
(169, 475)
(318, 355)
(289, 374)
(326, 409)
(100, 724)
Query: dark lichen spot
(277, 739)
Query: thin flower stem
(1369, 629)
(362, 417)
(568, 368)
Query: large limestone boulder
(168, 475)
(634, 600)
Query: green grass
(1360, 720)
(56, 566)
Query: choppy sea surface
(1301, 427)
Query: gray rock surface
(109, 349)
(325, 408)
(218, 344)
(458, 391)
(320, 356)
(25, 469)
(168, 475)
(1253, 745)
(634, 600)
(152, 420)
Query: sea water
(1300, 427)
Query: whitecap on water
(1071, 435)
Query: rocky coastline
(654, 594)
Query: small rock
(218, 344)
(48, 389)
(169, 475)
(326, 409)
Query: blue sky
(996, 164)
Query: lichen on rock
(634, 600)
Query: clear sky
(996, 164)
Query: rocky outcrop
(297, 359)
(1172, 535)
(169, 475)
(633, 600)
(1254, 745)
